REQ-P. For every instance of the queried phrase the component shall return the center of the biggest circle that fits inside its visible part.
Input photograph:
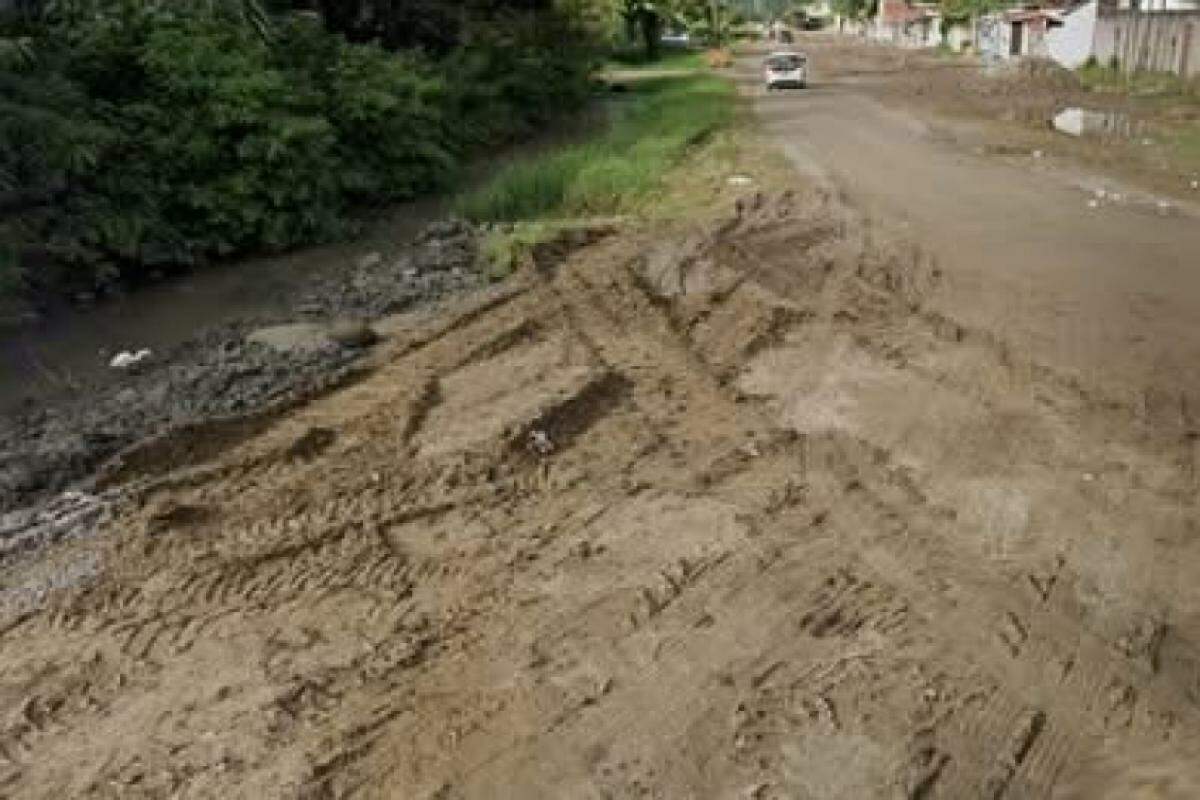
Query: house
(1017, 32)
(907, 24)
(817, 14)
(1160, 36)
(917, 24)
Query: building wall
(1162, 41)
(1071, 44)
(993, 36)
(1033, 39)
(1159, 5)
(959, 36)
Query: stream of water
(72, 347)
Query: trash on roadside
(1093, 203)
(540, 443)
(740, 180)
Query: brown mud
(722, 512)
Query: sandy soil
(737, 509)
(1037, 249)
(1007, 109)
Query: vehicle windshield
(785, 63)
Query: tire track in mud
(555, 542)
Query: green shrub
(667, 116)
(165, 134)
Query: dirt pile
(725, 513)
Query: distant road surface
(1111, 291)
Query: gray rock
(370, 261)
(297, 337)
(353, 334)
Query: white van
(786, 70)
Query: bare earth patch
(724, 512)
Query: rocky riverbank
(229, 370)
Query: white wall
(959, 36)
(1073, 42)
(1161, 5)
(994, 33)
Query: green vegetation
(1187, 146)
(677, 59)
(140, 135)
(1148, 84)
(664, 119)
(145, 136)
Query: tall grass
(672, 59)
(1149, 84)
(664, 119)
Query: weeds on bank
(1110, 78)
(651, 131)
(672, 60)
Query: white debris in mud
(126, 359)
(740, 180)
(540, 443)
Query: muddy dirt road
(1033, 248)
(735, 508)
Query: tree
(854, 9)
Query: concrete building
(1017, 32)
(907, 24)
(1161, 36)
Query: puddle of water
(1089, 122)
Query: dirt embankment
(722, 513)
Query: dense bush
(154, 136)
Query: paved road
(1111, 292)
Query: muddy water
(70, 348)
(1089, 122)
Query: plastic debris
(540, 443)
(125, 359)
